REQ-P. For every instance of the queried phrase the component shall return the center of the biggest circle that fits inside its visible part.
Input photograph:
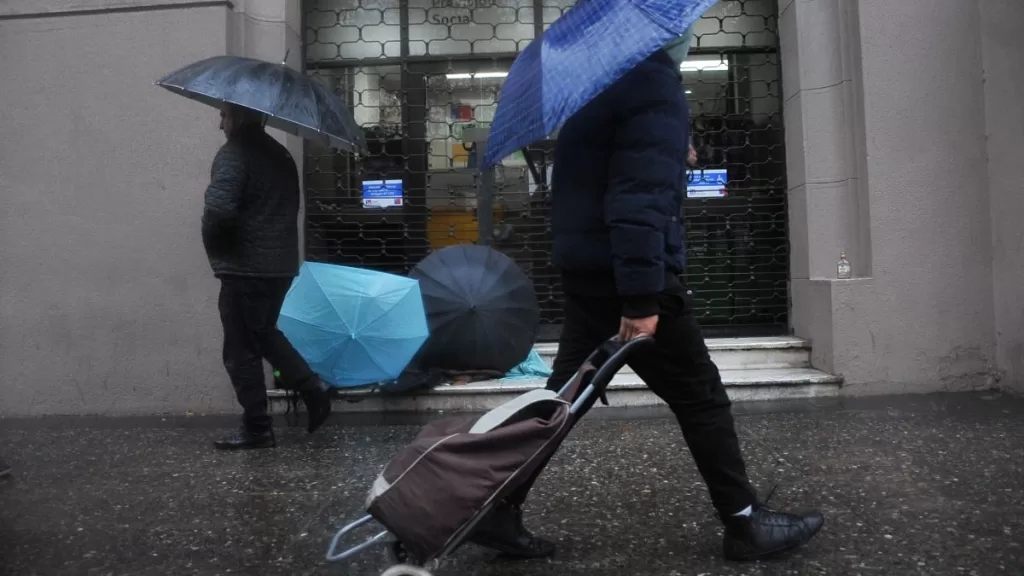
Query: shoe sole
(248, 447)
(782, 550)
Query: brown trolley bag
(435, 490)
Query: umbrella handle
(532, 167)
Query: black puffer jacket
(250, 222)
(618, 185)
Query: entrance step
(772, 368)
(737, 353)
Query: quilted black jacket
(250, 220)
(617, 189)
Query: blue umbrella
(354, 326)
(581, 54)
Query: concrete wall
(1002, 33)
(106, 300)
(886, 134)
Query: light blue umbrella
(581, 54)
(354, 327)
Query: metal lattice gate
(422, 78)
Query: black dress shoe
(767, 532)
(246, 440)
(502, 530)
(317, 398)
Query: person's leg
(279, 352)
(244, 366)
(679, 369)
(588, 322)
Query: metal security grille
(422, 78)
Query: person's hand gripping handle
(632, 328)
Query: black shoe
(766, 532)
(317, 397)
(246, 440)
(502, 530)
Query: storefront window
(460, 102)
(423, 79)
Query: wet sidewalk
(909, 485)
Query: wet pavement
(909, 485)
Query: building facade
(888, 133)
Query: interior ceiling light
(467, 76)
(718, 64)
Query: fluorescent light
(689, 91)
(465, 76)
(718, 64)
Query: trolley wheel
(405, 570)
(397, 553)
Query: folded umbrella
(354, 327)
(291, 100)
(581, 54)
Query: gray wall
(1002, 32)
(886, 131)
(106, 299)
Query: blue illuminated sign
(707, 183)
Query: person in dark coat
(619, 179)
(250, 231)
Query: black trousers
(249, 308)
(678, 368)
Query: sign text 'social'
(448, 12)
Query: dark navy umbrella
(581, 54)
(291, 100)
(481, 308)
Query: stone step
(737, 353)
(626, 390)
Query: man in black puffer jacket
(250, 231)
(619, 180)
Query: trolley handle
(609, 358)
(334, 556)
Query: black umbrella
(292, 101)
(481, 308)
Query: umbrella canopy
(292, 101)
(581, 54)
(353, 326)
(481, 308)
